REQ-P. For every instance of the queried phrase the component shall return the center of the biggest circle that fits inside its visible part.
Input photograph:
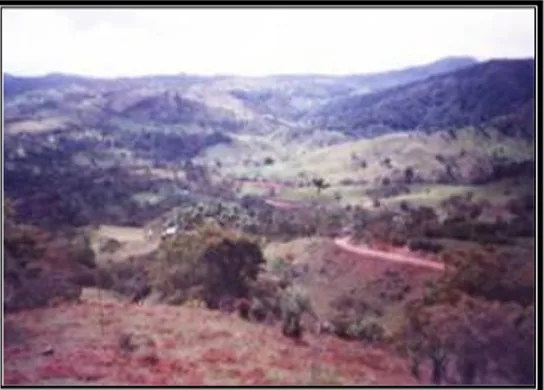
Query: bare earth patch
(133, 242)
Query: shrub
(40, 269)
(127, 278)
(277, 265)
(494, 342)
(368, 330)
(110, 246)
(347, 182)
(212, 262)
(425, 245)
(494, 277)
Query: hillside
(467, 156)
(474, 96)
(143, 132)
(226, 103)
(195, 347)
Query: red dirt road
(365, 252)
(344, 244)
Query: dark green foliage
(320, 184)
(42, 268)
(497, 92)
(268, 161)
(170, 147)
(424, 245)
(110, 246)
(128, 278)
(409, 175)
(495, 277)
(367, 330)
(209, 264)
(243, 306)
(388, 189)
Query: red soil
(196, 347)
(383, 253)
(365, 252)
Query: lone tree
(320, 184)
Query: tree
(409, 175)
(268, 161)
(320, 184)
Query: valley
(401, 204)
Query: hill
(226, 104)
(448, 123)
(196, 347)
(466, 156)
(473, 96)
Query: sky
(254, 42)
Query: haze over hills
(234, 123)
(257, 196)
(421, 161)
(473, 96)
(251, 100)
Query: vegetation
(208, 264)
(466, 313)
(435, 160)
(41, 269)
(487, 91)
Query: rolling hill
(473, 96)
(469, 118)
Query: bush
(127, 278)
(425, 245)
(210, 262)
(40, 269)
(481, 340)
(42, 290)
(494, 277)
(110, 246)
(368, 330)
(277, 265)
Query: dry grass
(196, 347)
(331, 272)
(37, 125)
(133, 242)
(121, 233)
(414, 149)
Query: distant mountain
(102, 149)
(258, 102)
(383, 80)
(496, 93)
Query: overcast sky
(255, 41)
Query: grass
(121, 233)
(196, 347)
(335, 163)
(37, 125)
(132, 240)
(420, 194)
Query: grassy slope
(417, 150)
(196, 347)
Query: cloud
(114, 42)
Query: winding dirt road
(366, 252)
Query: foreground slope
(195, 347)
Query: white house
(170, 231)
